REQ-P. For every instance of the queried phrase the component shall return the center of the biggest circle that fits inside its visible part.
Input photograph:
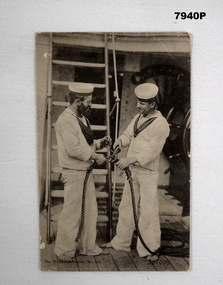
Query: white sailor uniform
(146, 147)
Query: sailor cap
(146, 91)
(81, 88)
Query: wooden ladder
(52, 170)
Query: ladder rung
(100, 171)
(102, 219)
(60, 194)
(58, 170)
(103, 150)
(100, 189)
(93, 127)
(98, 128)
(101, 195)
(81, 64)
(57, 193)
(66, 104)
(115, 219)
(96, 85)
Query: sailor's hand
(117, 143)
(100, 159)
(106, 141)
(123, 163)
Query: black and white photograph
(114, 151)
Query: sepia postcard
(114, 118)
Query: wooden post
(48, 146)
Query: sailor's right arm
(125, 139)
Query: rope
(83, 202)
(117, 101)
(114, 188)
(181, 250)
(130, 180)
(116, 87)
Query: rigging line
(117, 114)
(115, 65)
(113, 108)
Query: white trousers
(145, 189)
(69, 219)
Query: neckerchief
(136, 130)
(86, 130)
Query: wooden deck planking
(116, 260)
(141, 263)
(182, 227)
(179, 263)
(68, 266)
(168, 205)
(105, 263)
(122, 260)
(49, 259)
(163, 264)
(86, 263)
(47, 256)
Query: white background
(19, 21)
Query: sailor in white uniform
(76, 152)
(145, 137)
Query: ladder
(53, 171)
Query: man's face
(144, 107)
(84, 108)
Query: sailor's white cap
(81, 88)
(146, 91)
